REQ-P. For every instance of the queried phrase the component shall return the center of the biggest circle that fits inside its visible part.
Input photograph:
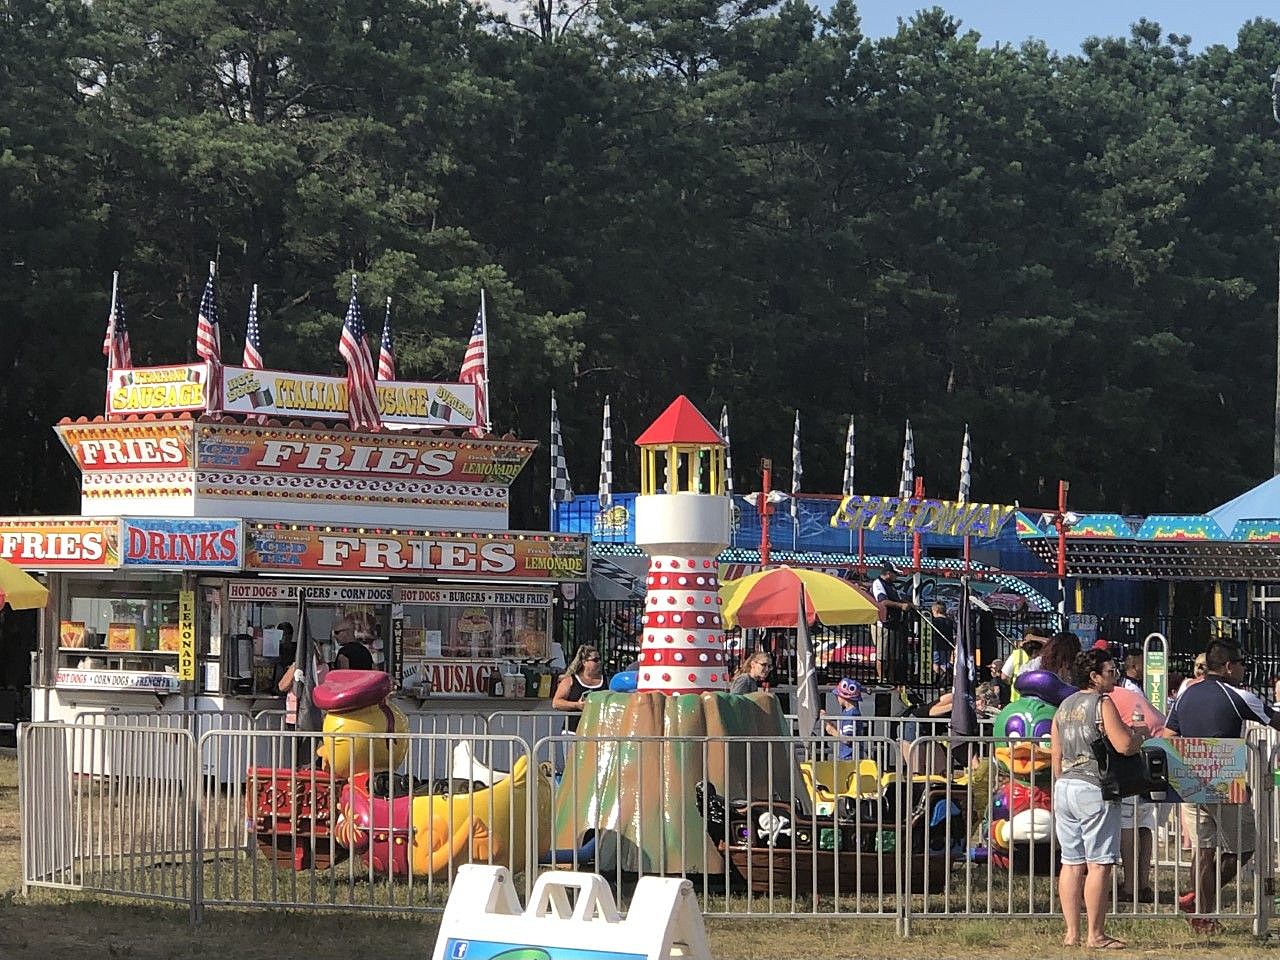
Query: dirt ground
(77, 927)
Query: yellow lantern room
(681, 452)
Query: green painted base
(637, 794)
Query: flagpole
(552, 512)
(488, 396)
(966, 457)
(915, 549)
(111, 319)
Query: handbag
(1129, 775)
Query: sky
(1064, 24)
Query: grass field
(72, 926)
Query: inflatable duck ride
(401, 825)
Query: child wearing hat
(849, 695)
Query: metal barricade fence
(822, 826)
(109, 809)
(314, 839)
(532, 726)
(747, 819)
(1017, 873)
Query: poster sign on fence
(1206, 769)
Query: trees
(748, 202)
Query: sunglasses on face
(590, 659)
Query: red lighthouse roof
(680, 423)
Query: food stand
(177, 587)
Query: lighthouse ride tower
(682, 522)
(631, 767)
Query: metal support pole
(765, 508)
(1061, 522)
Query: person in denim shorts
(1088, 827)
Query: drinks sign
(180, 543)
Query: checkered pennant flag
(846, 485)
(728, 456)
(966, 467)
(606, 461)
(797, 471)
(561, 487)
(907, 487)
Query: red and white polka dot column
(682, 649)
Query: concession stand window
(455, 639)
(264, 628)
(118, 632)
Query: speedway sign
(916, 515)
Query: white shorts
(1145, 810)
(1229, 827)
(1088, 827)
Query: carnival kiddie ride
(1019, 822)
(785, 848)
(399, 825)
(682, 777)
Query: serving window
(475, 632)
(264, 628)
(119, 632)
(460, 641)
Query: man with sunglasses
(1218, 707)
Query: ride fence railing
(763, 826)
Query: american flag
(797, 471)
(846, 485)
(966, 467)
(728, 457)
(605, 496)
(115, 345)
(362, 393)
(907, 485)
(475, 369)
(252, 336)
(209, 338)
(387, 349)
(561, 485)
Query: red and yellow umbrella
(19, 589)
(771, 598)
